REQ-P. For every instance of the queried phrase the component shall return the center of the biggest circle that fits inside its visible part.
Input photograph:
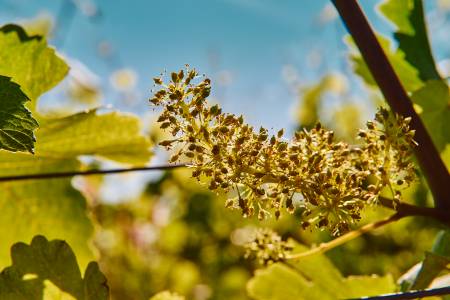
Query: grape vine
(329, 181)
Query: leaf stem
(435, 172)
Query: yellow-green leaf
(113, 135)
(313, 277)
(51, 207)
(408, 75)
(434, 100)
(411, 34)
(29, 61)
(280, 282)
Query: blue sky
(247, 42)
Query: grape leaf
(408, 75)
(279, 282)
(435, 261)
(16, 123)
(434, 99)
(53, 207)
(53, 261)
(113, 135)
(313, 277)
(398, 12)
(411, 34)
(29, 61)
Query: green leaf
(435, 261)
(360, 286)
(279, 282)
(51, 207)
(113, 135)
(95, 283)
(432, 266)
(16, 123)
(434, 99)
(411, 34)
(29, 61)
(54, 261)
(445, 155)
(426, 272)
(409, 76)
(13, 286)
(397, 12)
(313, 277)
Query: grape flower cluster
(267, 247)
(329, 181)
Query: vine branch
(402, 210)
(408, 210)
(410, 294)
(435, 172)
(86, 173)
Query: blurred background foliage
(167, 232)
(178, 236)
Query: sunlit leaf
(279, 282)
(434, 99)
(113, 135)
(411, 34)
(54, 261)
(53, 207)
(313, 277)
(49, 207)
(16, 123)
(408, 75)
(398, 12)
(29, 61)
